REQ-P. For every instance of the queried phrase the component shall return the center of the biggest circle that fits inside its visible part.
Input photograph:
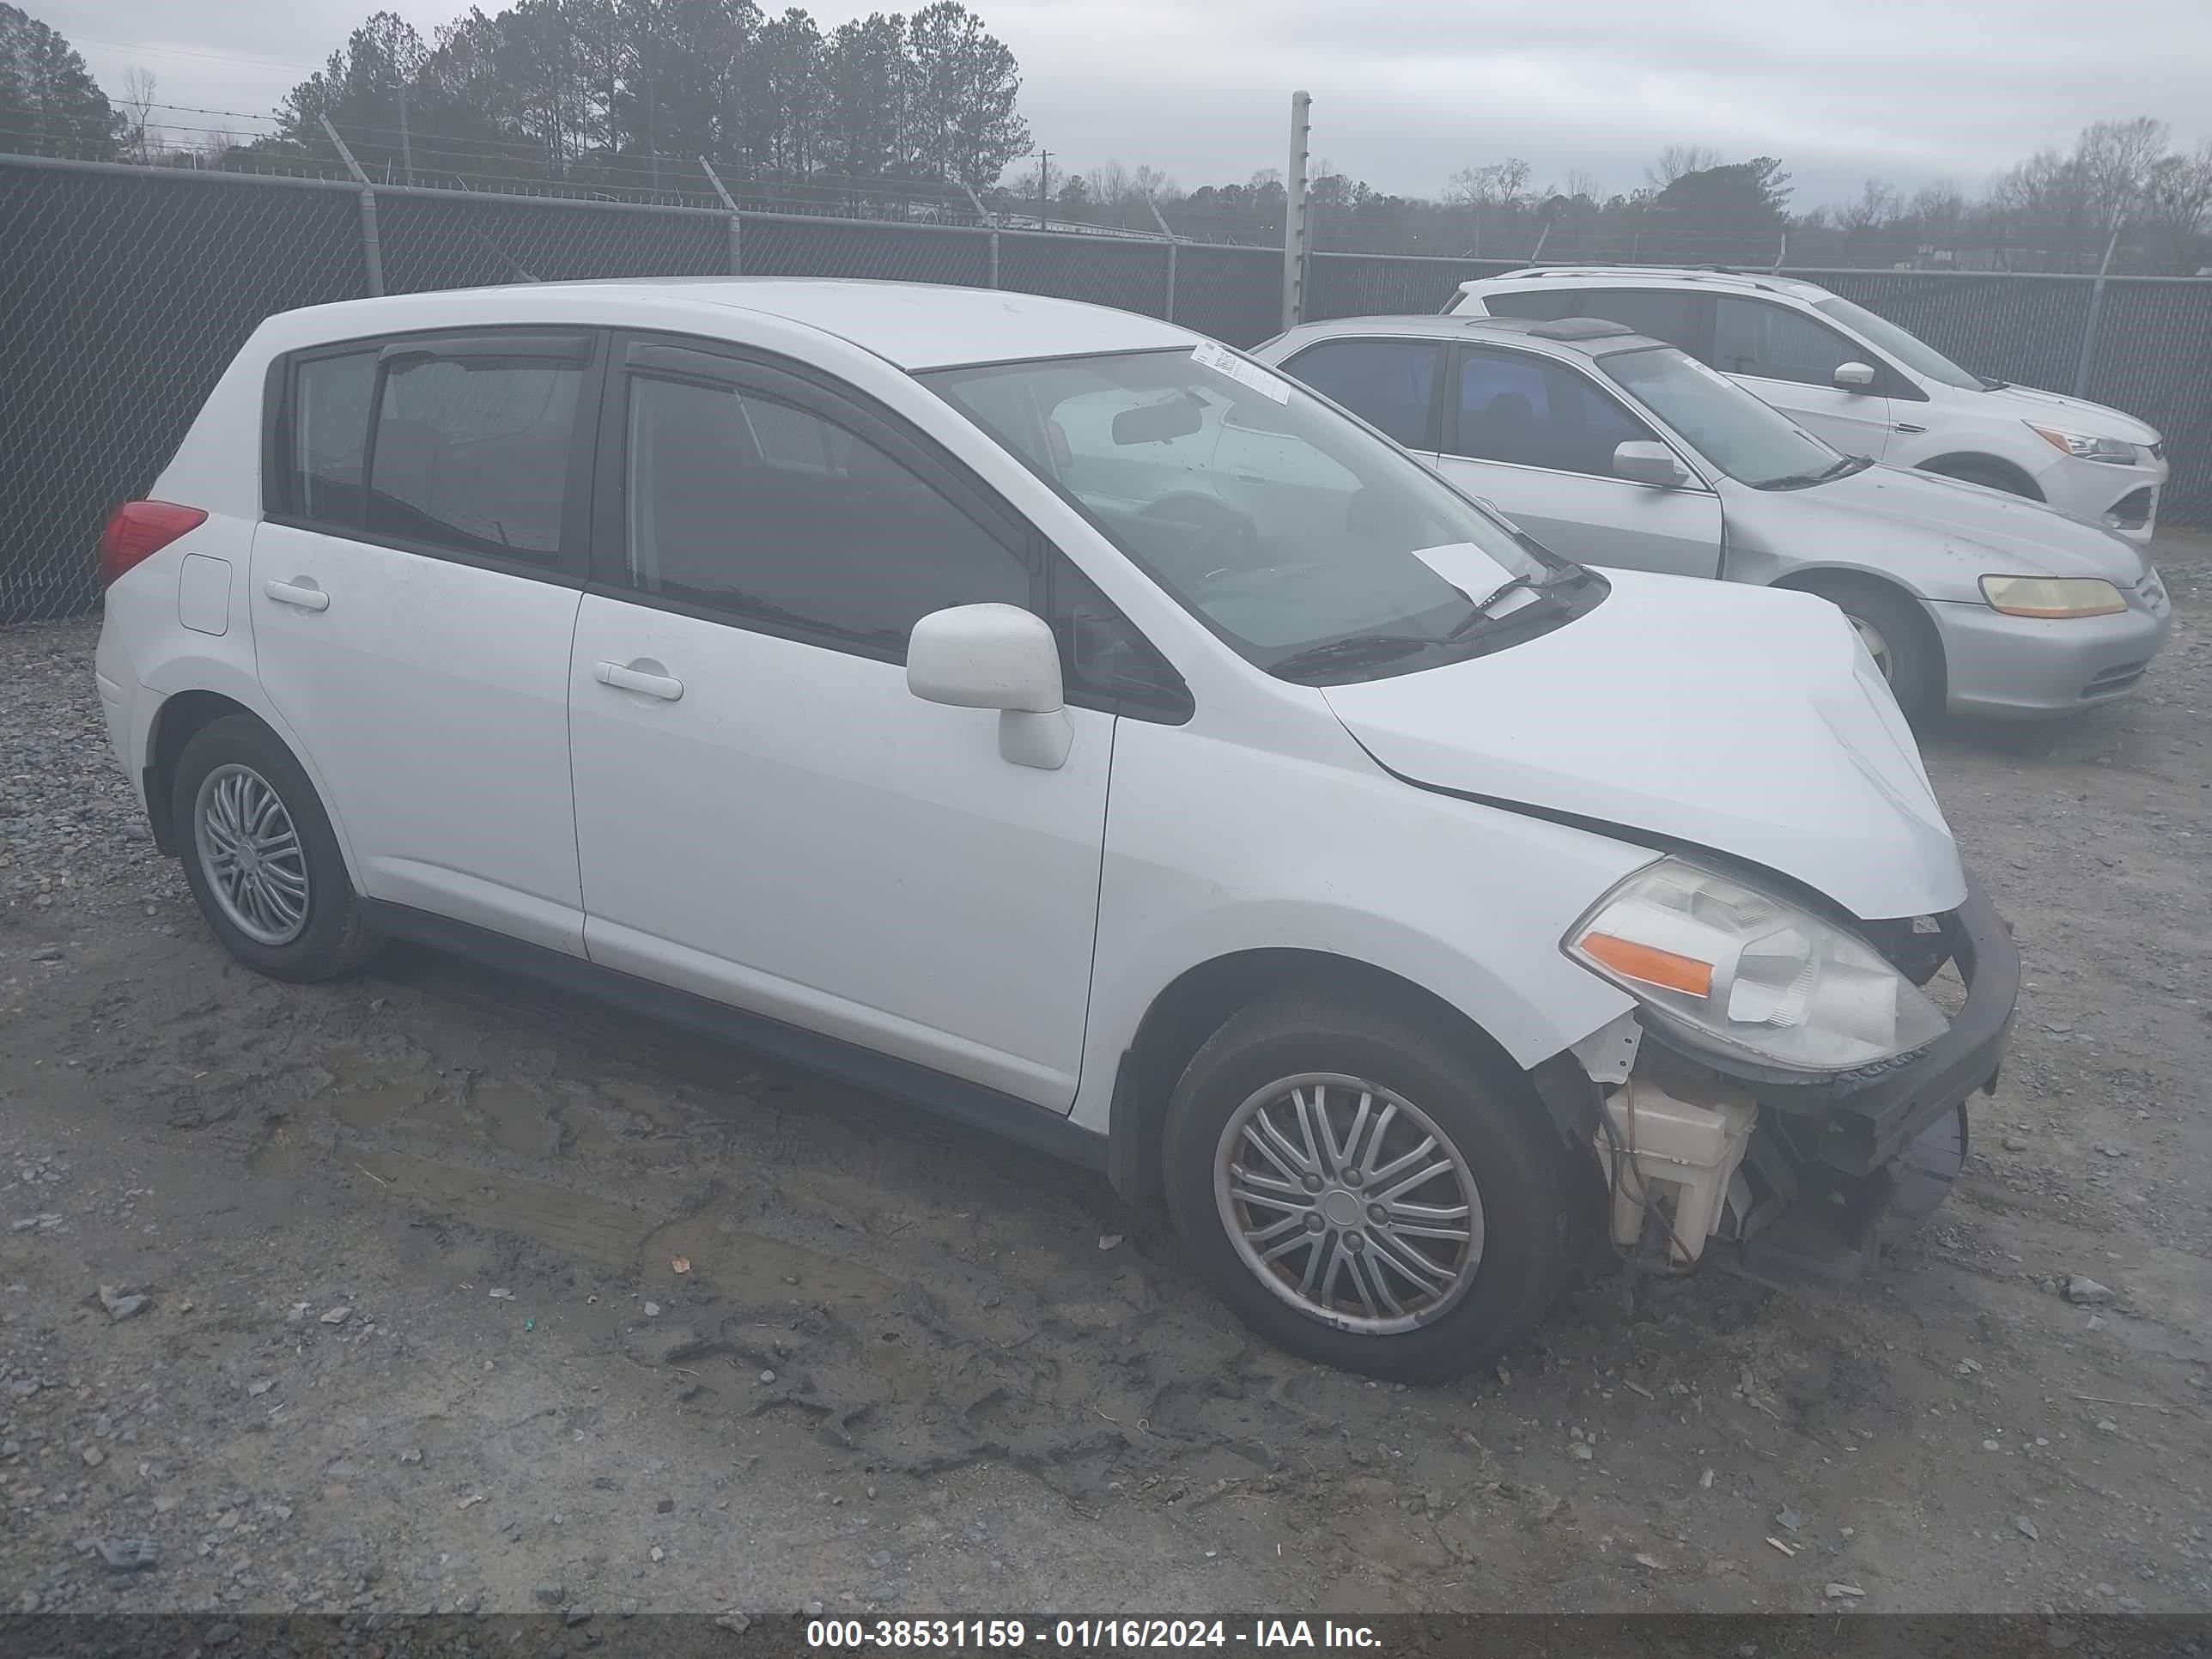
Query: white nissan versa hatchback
(872, 675)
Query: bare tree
(1876, 208)
(136, 105)
(1676, 159)
(2116, 159)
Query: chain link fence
(125, 291)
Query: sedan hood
(2028, 538)
(2075, 415)
(1744, 719)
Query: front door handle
(624, 677)
(302, 593)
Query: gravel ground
(431, 1291)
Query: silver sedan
(1614, 449)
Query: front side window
(1742, 434)
(472, 454)
(1909, 350)
(1515, 406)
(1286, 528)
(331, 398)
(1389, 384)
(739, 501)
(1757, 337)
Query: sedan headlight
(2052, 595)
(2114, 452)
(1736, 973)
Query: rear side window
(1754, 337)
(472, 455)
(1389, 384)
(329, 435)
(737, 502)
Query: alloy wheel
(1349, 1203)
(249, 850)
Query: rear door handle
(625, 678)
(302, 593)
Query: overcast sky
(1406, 91)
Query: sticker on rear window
(1222, 360)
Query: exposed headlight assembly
(1736, 974)
(2113, 452)
(2052, 595)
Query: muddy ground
(413, 1335)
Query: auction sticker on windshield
(1222, 360)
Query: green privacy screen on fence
(124, 291)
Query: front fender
(1214, 849)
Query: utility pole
(1294, 216)
(406, 149)
(1044, 185)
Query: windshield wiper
(1353, 649)
(1844, 467)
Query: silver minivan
(1616, 450)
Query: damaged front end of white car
(1790, 1093)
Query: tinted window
(330, 431)
(1389, 384)
(1101, 653)
(1751, 337)
(473, 454)
(1517, 407)
(1663, 313)
(740, 502)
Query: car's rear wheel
(1354, 1185)
(260, 856)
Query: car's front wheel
(260, 856)
(1359, 1190)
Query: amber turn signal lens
(1650, 965)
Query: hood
(1997, 534)
(2076, 414)
(1745, 719)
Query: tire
(1484, 1292)
(1900, 638)
(294, 915)
(1987, 474)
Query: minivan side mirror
(1643, 461)
(1001, 657)
(1854, 377)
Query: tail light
(138, 530)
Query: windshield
(1915, 353)
(1748, 439)
(1284, 525)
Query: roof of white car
(1652, 277)
(1591, 335)
(916, 326)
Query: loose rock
(2087, 1292)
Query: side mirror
(1855, 377)
(1643, 461)
(996, 656)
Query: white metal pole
(1294, 216)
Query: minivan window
(1526, 409)
(1915, 353)
(1770, 342)
(472, 454)
(740, 502)
(330, 434)
(1284, 526)
(1744, 436)
(1389, 384)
